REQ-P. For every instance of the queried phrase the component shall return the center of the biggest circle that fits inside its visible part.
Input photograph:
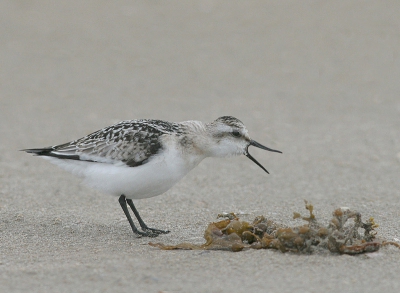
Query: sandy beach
(317, 80)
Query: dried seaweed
(341, 235)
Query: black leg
(122, 202)
(142, 224)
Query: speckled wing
(129, 142)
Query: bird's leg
(122, 201)
(142, 224)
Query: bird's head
(229, 137)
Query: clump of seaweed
(341, 235)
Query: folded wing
(132, 143)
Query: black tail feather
(48, 152)
(39, 152)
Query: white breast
(151, 179)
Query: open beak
(256, 144)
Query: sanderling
(143, 158)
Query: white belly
(150, 179)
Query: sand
(318, 80)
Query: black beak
(256, 144)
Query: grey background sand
(318, 80)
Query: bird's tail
(40, 152)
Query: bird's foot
(156, 232)
(150, 232)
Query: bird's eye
(236, 133)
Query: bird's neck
(197, 139)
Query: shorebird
(143, 158)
